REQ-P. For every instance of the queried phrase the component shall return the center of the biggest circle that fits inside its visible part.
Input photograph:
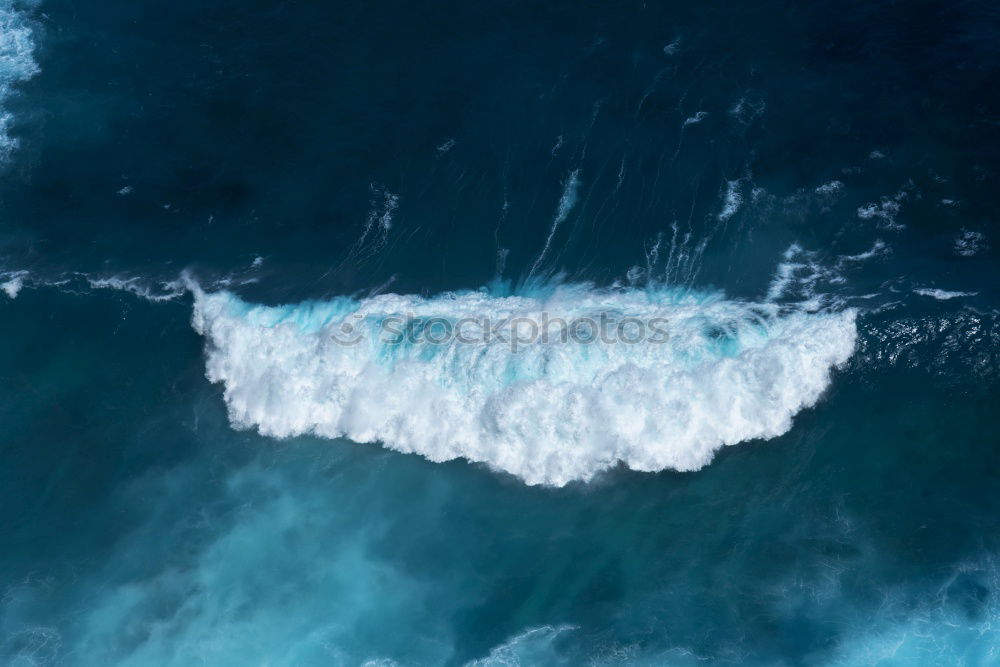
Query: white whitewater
(550, 413)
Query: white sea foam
(747, 110)
(878, 249)
(697, 118)
(970, 243)
(940, 294)
(13, 283)
(164, 291)
(802, 274)
(384, 204)
(17, 64)
(831, 188)
(531, 647)
(74, 282)
(811, 278)
(785, 273)
(886, 209)
(732, 200)
(550, 413)
(566, 203)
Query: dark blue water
(198, 199)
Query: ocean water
(211, 214)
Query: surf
(550, 411)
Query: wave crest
(550, 413)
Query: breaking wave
(550, 412)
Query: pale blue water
(196, 197)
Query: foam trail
(697, 118)
(17, 64)
(878, 249)
(566, 203)
(940, 294)
(804, 274)
(375, 235)
(12, 283)
(551, 412)
(784, 274)
(169, 290)
(531, 647)
(732, 201)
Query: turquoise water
(200, 199)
